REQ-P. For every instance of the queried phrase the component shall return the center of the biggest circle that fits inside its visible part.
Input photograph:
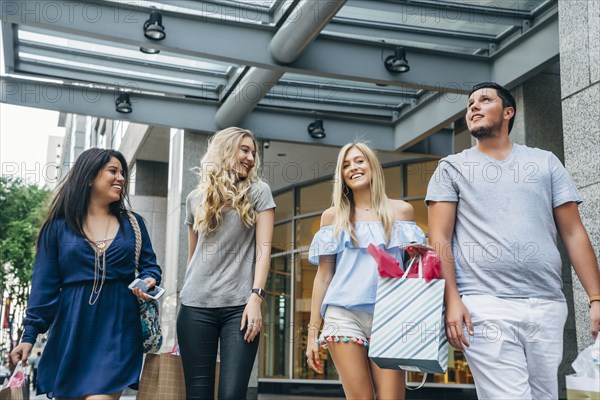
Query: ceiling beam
(255, 12)
(291, 127)
(527, 58)
(432, 12)
(99, 102)
(161, 73)
(363, 111)
(286, 45)
(116, 81)
(536, 51)
(295, 34)
(188, 114)
(96, 57)
(331, 93)
(430, 117)
(428, 70)
(412, 36)
(211, 39)
(8, 46)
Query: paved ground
(260, 397)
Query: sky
(24, 133)
(24, 136)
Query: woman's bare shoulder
(327, 217)
(403, 211)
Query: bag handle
(138, 239)
(16, 379)
(414, 387)
(419, 260)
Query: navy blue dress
(91, 349)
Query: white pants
(517, 346)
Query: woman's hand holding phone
(146, 289)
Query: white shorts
(346, 326)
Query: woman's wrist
(593, 298)
(314, 326)
(255, 297)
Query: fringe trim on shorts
(344, 339)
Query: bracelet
(259, 292)
(595, 297)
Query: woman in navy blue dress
(85, 261)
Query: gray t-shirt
(221, 270)
(504, 240)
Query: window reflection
(285, 205)
(420, 213)
(315, 197)
(303, 283)
(282, 238)
(274, 343)
(305, 230)
(393, 182)
(417, 177)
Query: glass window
(315, 197)
(303, 282)
(285, 205)
(305, 230)
(393, 182)
(420, 213)
(457, 372)
(274, 345)
(417, 177)
(282, 238)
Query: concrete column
(151, 178)
(186, 150)
(579, 34)
(153, 210)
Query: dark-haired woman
(84, 263)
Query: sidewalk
(260, 397)
(43, 397)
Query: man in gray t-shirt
(494, 214)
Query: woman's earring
(346, 190)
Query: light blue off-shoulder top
(354, 283)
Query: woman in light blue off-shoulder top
(346, 281)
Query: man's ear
(508, 113)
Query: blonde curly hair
(220, 184)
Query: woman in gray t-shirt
(230, 220)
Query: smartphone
(155, 292)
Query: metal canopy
(218, 52)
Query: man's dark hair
(507, 99)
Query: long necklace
(99, 265)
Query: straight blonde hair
(343, 198)
(220, 185)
